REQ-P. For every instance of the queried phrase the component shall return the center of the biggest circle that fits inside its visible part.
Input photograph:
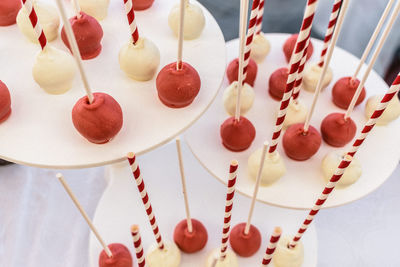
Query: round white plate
(303, 181)
(40, 131)
(121, 206)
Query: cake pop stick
(28, 5)
(276, 235)
(130, 13)
(369, 125)
(375, 55)
(260, 15)
(84, 214)
(299, 78)
(180, 34)
(137, 242)
(77, 8)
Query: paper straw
(228, 207)
(260, 15)
(130, 14)
(28, 5)
(137, 242)
(276, 235)
(77, 8)
(369, 125)
(299, 79)
(180, 34)
(145, 198)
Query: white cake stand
(120, 207)
(40, 131)
(303, 181)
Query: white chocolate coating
(330, 163)
(229, 261)
(230, 98)
(296, 113)
(54, 70)
(95, 8)
(260, 48)
(311, 77)
(194, 21)
(170, 256)
(391, 112)
(140, 61)
(285, 257)
(48, 19)
(274, 167)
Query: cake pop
(121, 257)
(245, 245)
(54, 70)
(8, 11)
(336, 130)
(288, 257)
(233, 70)
(237, 135)
(194, 20)
(214, 260)
(177, 88)
(140, 61)
(88, 34)
(274, 167)
(299, 144)
(190, 242)
(391, 113)
(5, 102)
(343, 91)
(290, 44)
(295, 113)
(330, 163)
(170, 256)
(95, 8)
(277, 83)
(311, 77)
(142, 4)
(48, 19)
(259, 48)
(230, 98)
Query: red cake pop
(178, 88)
(337, 131)
(5, 102)
(233, 70)
(121, 257)
(8, 11)
(237, 135)
(88, 34)
(142, 4)
(300, 145)
(190, 242)
(343, 91)
(277, 83)
(289, 45)
(100, 121)
(245, 245)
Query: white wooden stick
(77, 8)
(335, 37)
(75, 49)
(256, 187)
(180, 33)
(373, 37)
(375, 55)
(183, 179)
(84, 214)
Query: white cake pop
(311, 77)
(170, 256)
(213, 260)
(391, 112)
(259, 48)
(288, 257)
(274, 167)
(54, 70)
(295, 113)
(48, 19)
(139, 61)
(230, 98)
(330, 163)
(194, 20)
(95, 8)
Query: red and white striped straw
(228, 207)
(295, 59)
(299, 79)
(329, 31)
(260, 15)
(369, 125)
(28, 4)
(145, 198)
(130, 13)
(276, 235)
(137, 242)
